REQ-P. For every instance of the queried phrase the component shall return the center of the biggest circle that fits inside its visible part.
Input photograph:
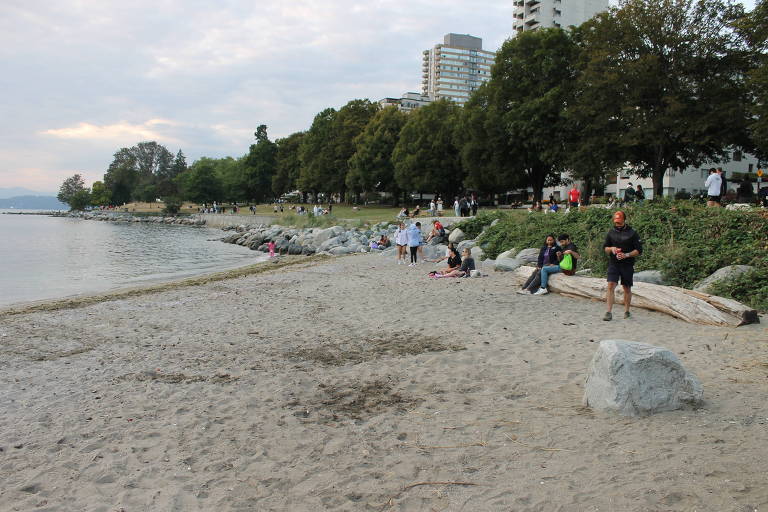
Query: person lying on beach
(467, 266)
(549, 255)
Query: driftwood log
(693, 307)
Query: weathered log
(693, 307)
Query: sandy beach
(355, 384)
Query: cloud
(122, 131)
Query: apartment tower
(456, 68)
(534, 14)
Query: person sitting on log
(569, 256)
(549, 255)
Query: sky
(80, 79)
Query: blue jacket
(414, 236)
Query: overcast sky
(81, 79)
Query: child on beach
(271, 247)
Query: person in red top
(437, 231)
(573, 196)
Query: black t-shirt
(468, 264)
(454, 261)
(627, 240)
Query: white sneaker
(541, 291)
(523, 292)
(399, 262)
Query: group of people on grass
(622, 245)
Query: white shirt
(713, 184)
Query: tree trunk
(693, 307)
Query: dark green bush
(472, 227)
(683, 239)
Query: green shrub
(683, 239)
(472, 227)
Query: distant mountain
(33, 203)
(6, 193)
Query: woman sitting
(384, 242)
(454, 264)
(416, 211)
(451, 245)
(404, 213)
(548, 255)
(467, 266)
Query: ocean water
(45, 257)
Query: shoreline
(85, 299)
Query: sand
(357, 384)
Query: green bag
(567, 262)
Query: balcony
(532, 3)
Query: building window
(737, 156)
(751, 167)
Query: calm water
(45, 257)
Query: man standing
(622, 245)
(573, 197)
(629, 193)
(723, 185)
(713, 184)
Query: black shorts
(574, 204)
(713, 198)
(621, 271)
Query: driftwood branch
(693, 307)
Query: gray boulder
(723, 274)
(323, 235)
(329, 244)
(464, 244)
(456, 236)
(507, 255)
(338, 251)
(637, 379)
(649, 276)
(528, 255)
(507, 264)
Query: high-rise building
(533, 14)
(409, 102)
(456, 68)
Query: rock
(433, 252)
(323, 235)
(329, 244)
(723, 274)
(495, 221)
(487, 266)
(506, 264)
(637, 379)
(338, 251)
(477, 254)
(464, 244)
(294, 249)
(456, 236)
(528, 255)
(649, 276)
(508, 255)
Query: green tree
(531, 85)
(232, 177)
(371, 168)
(664, 82)
(755, 28)
(167, 176)
(74, 192)
(100, 194)
(201, 184)
(318, 163)
(348, 125)
(137, 172)
(486, 148)
(259, 166)
(425, 157)
(288, 167)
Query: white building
(690, 181)
(534, 14)
(456, 68)
(408, 102)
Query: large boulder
(649, 276)
(338, 251)
(433, 252)
(637, 379)
(329, 244)
(723, 274)
(507, 255)
(464, 244)
(506, 264)
(530, 255)
(456, 236)
(323, 235)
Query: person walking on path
(622, 245)
(713, 184)
(414, 241)
(439, 207)
(456, 207)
